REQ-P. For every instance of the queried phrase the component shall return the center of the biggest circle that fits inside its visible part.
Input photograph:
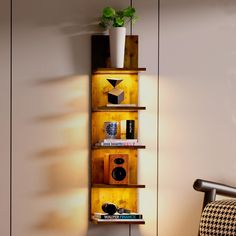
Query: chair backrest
(219, 219)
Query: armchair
(218, 217)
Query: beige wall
(51, 117)
(197, 107)
(51, 75)
(146, 28)
(4, 117)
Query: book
(137, 221)
(120, 140)
(118, 144)
(121, 105)
(125, 216)
(133, 221)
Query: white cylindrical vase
(117, 46)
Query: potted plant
(115, 21)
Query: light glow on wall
(66, 179)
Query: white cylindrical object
(117, 46)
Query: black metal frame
(211, 189)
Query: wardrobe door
(5, 117)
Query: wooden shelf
(118, 108)
(99, 221)
(118, 186)
(118, 70)
(119, 147)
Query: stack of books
(131, 217)
(121, 105)
(118, 142)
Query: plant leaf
(109, 12)
(119, 22)
(112, 18)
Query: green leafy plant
(113, 18)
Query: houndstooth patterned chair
(218, 217)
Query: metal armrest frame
(211, 189)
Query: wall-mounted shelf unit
(124, 195)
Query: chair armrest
(211, 189)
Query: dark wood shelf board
(118, 70)
(96, 221)
(118, 108)
(119, 147)
(118, 186)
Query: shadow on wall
(67, 172)
(66, 166)
(66, 178)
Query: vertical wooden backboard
(99, 118)
(98, 164)
(101, 87)
(123, 197)
(101, 52)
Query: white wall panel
(197, 107)
(5, 117)
(146, 27)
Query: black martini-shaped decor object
(115, 96)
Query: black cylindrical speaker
(109, 208)
(130, 129)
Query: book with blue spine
(124, 216)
